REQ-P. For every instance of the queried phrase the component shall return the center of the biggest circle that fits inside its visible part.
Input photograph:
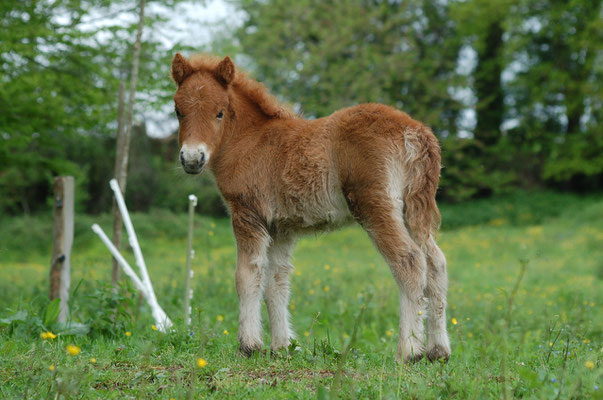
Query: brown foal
(282, 176)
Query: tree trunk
(488, 87)
(117, 221)
(125, 133)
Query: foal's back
(315, 166)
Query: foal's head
(202, 108)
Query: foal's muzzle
(193, 158)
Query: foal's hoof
(248, 351)
(415, 358)
(409, 359)
(438, 352)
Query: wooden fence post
(60, 266)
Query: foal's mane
(252, 89)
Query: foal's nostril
(202, 161)
(182, 157)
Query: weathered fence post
(60, 265)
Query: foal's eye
(179, 114)
(220, 114)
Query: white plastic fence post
(188, 292)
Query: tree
(323, 56)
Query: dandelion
(93, 360)
(589, 364)
(225, 332)
(586, 341)
(292, 306)
(499, 308)
(220, 318)
(454, 321)
(311, 291)
(51, 367)
(306, 333)
(298, 273)
(211, 233)
(213, 225)
(470, 335)
(201, 363)
(327, 288)
(153, 327)
(73, 350)
(327, 267)
(389, 333)
(346, 336)
(47, 335)
(128, 333)
(420, 312)
(551, 344)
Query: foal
(282, 176)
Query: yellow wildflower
(389, 332)
(420, 312)
(551, 344)
(587, 341)
(128, 333)
(327, 288)
(454, 321)
(220, 318)
(51, 367)
(306, 333)
(327, 267)
(201, 363)
(47, 335)
(589, 364)
(93, 360)
(153, 327)
(470, 335)
(225, 332)
(311, 291)
(73, 350)
(213, 225)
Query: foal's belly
(316, 211)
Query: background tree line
(511, 87)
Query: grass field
(543, 340)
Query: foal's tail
(422, 162)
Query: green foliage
(327, 55)
(535, 89)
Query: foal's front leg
(276, 293)
(251, 263)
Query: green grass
(548, 346)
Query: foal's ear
(225, 71)
(181, 68)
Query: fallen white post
(120, 259)
(162, 321)
(188, 292)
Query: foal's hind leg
(276, 292)
(381, 216)
(438, 344)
